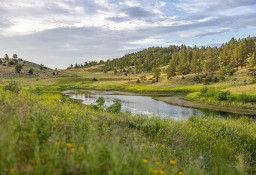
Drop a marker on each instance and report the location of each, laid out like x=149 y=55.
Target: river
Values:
x=146 y=105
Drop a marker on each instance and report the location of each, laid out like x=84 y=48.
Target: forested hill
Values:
x=143 y=61
x=182 y=60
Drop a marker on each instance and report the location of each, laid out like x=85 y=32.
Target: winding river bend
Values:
x=145 y=105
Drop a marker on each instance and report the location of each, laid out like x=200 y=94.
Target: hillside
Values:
x=8 y=67
x=8 y=70
x=209 y=64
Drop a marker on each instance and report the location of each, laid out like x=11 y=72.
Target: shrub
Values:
x=11 y=63
x=100 y=101
x=204 y=90
x=31 y=71
x=115 y=108
x=18 y=68
x=12 y=86
x=222 y=95
x=246 y=98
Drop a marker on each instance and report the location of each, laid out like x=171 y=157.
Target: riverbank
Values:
x=181 y=100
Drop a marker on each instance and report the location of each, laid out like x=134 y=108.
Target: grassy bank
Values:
x=224 y=98
x=46 y=133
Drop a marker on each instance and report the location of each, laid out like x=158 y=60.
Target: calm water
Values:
x=147 y=105
x=140 y=105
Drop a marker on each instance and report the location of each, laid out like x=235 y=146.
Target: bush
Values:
x=13 y=87
x=31 y=71
x=216 y=94
x=18 y=68
x=222 y=95
x=115 y=108
x=246 y=98
x=11 y=63
x=100 y=101
x=204 y=90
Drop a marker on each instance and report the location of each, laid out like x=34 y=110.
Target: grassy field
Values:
x=242 y=88
x=46 y=133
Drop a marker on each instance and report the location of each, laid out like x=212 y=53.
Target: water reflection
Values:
x=141 y=105
x=148 y=106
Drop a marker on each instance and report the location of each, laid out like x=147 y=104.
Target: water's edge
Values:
x=175 y=99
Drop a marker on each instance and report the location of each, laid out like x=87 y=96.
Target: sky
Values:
x=63 y=32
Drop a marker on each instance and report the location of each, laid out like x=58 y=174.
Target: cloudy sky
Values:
x=60 y=32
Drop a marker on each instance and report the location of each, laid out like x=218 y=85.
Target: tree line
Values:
x=182 y=60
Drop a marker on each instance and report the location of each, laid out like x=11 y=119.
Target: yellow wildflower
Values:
x=158 y=162
x=72 y=149
x=173 y=162
x=180 y=172
x=69 y=145
x=145 y=160
x=57 y=143
x=81 y=148
x=155 y=171
x=161 y=171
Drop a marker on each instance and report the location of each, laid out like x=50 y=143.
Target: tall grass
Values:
x=46 y=133
x=226 y=98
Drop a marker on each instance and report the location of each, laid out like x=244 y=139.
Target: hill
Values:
x=17 y=67
x=210 y=64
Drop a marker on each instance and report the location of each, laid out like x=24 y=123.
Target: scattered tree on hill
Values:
x=41 y=67
x=252 y=64
x=156 y=74
x=143 y=78
x=31 y=71
x=6 y=56
x=14 y=56
x=18 y=68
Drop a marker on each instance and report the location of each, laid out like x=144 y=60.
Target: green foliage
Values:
x=45 y=133
x=18 y=68
x=143 y=78
x=115 y=107
x=217 y=95
x=246 y=98
x=182 y=60
x=156 y=74
x=31 y=71
x=100 y=102
x=95 y=79
x=12 y=86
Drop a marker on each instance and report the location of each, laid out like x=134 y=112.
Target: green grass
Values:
x=225 y=98
x=46 y=133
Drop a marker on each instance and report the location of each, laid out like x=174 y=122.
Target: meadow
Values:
x=44 y=132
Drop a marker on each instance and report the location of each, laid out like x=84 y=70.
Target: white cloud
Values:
x=107 y=28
